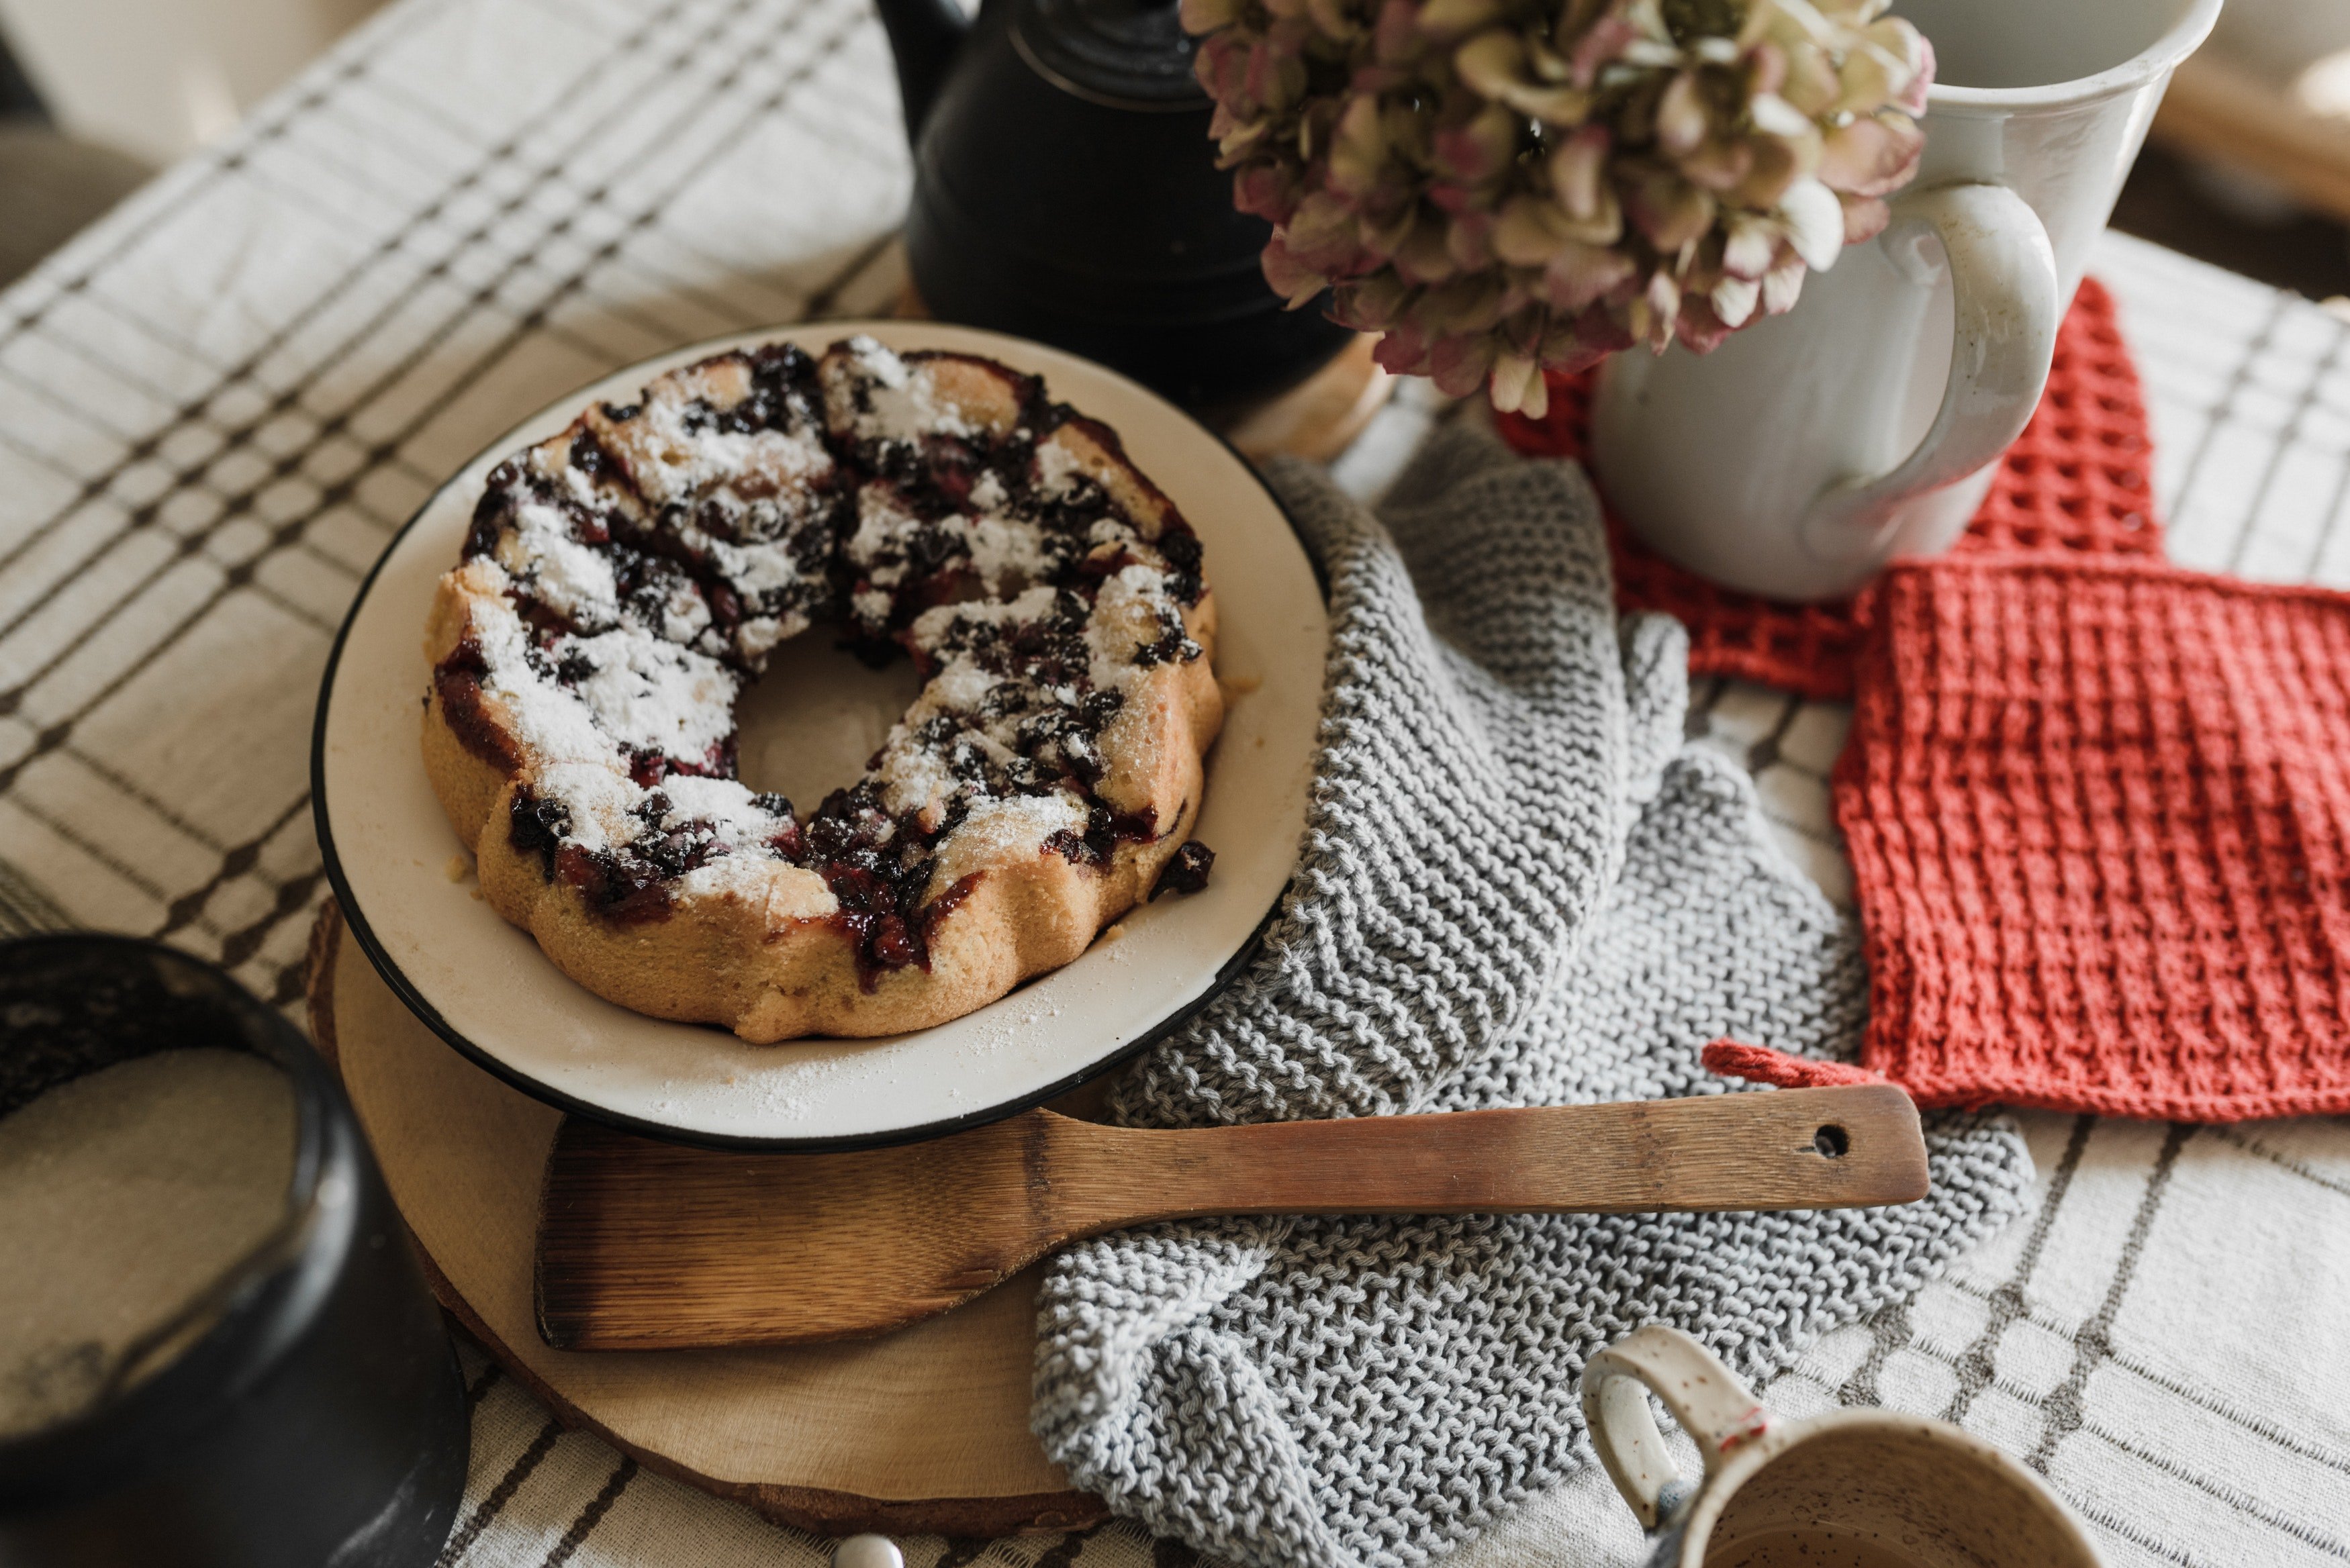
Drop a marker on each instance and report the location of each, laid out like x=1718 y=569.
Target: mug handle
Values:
x=1705 y=1397
x=2003 y=281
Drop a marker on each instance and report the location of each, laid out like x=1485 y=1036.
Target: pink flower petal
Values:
x=1749 y=247
x=1681 y=118
x=1474 y=154
x=1516 y=386
x=1395 y=37
x=1872 y=156
x=1459 y=365
x=1207 y=15
x=1814 y=222
x=1669 y=209
x=1914 y=101
x=1697 y=327
x=1865 y=218
x=1601 y=42
x=1580 y=274
x=1576 y=170
x=1403 y=351
x=1291 y=278
x=1265 y=190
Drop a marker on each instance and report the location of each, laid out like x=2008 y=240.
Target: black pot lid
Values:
x=1127 y=54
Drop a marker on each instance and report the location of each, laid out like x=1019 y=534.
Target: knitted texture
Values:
x=1517 y=887
x=2099 y=826
x=2076 y=483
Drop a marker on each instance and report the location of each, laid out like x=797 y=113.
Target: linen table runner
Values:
x=475 y=205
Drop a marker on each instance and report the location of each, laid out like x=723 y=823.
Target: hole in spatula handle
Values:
x=1831 y=1141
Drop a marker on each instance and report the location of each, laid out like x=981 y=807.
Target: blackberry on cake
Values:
x=623 y=581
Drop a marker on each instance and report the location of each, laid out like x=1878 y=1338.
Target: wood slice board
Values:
x=1316 y=419
x=1321 y=416
x=924 y=1430
x=2218 y=110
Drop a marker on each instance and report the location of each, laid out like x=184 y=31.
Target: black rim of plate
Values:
x=356 y=923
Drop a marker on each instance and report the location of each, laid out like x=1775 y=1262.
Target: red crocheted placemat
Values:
x=2099 y=824
x=2076 y=483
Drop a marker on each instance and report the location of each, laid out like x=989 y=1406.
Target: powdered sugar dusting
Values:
x=904 y=404
x=561 y=573
x=1001 y=831
x=602 y=804
x=1057 y=469
x=653 y=695
x=685 y=456
x=554 y=725
x=726 y=805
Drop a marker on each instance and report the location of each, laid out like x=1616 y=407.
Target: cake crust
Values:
x=624 y=579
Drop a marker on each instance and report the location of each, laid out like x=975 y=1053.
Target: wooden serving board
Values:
x=2228 y=113
x=924 y=1430
x=1316 y=419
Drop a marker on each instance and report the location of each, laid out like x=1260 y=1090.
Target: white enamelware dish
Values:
x=400 y=871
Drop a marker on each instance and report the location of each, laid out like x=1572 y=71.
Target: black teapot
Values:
x=1065 y=190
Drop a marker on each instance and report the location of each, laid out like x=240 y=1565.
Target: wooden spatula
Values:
x=645 y=1245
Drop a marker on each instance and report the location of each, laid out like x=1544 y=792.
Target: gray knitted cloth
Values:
x=1518 y=888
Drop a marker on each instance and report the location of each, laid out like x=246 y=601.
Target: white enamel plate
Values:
x=807 y=726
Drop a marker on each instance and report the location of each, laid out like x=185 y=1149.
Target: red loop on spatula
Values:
x=1761 y=1064
x=2077 y=482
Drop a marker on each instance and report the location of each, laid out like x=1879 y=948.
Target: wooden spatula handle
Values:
x=1836 y=1148
x=644 y=1245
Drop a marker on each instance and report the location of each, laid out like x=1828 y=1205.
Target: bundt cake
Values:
x=624 y=580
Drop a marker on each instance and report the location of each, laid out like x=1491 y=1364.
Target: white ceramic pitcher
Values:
x=1807 y=451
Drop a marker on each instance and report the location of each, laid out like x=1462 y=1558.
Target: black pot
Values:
x=1065 y=190
x=320 y=1418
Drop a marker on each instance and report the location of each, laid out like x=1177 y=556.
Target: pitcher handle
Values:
x=1705 y=1397
x=2003 y=280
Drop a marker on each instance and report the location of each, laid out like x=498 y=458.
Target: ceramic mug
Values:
x=1850 y=1489
x=1810 y=449
x=304 y=1409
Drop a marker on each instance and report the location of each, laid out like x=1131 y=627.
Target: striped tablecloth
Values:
x=218 y=405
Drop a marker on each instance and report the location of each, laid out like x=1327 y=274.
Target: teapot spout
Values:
x=924 y=37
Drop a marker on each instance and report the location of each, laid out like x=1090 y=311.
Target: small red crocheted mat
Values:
x=2076 y=483
x=2099 y=823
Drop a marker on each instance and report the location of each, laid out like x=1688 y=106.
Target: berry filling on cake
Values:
x=623 y=581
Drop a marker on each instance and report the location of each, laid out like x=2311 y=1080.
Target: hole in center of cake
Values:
x=808 y=725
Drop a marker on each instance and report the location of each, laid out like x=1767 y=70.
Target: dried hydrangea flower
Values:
x=1505 y=187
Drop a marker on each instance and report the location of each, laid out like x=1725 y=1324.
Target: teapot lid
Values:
x=1123 y=53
